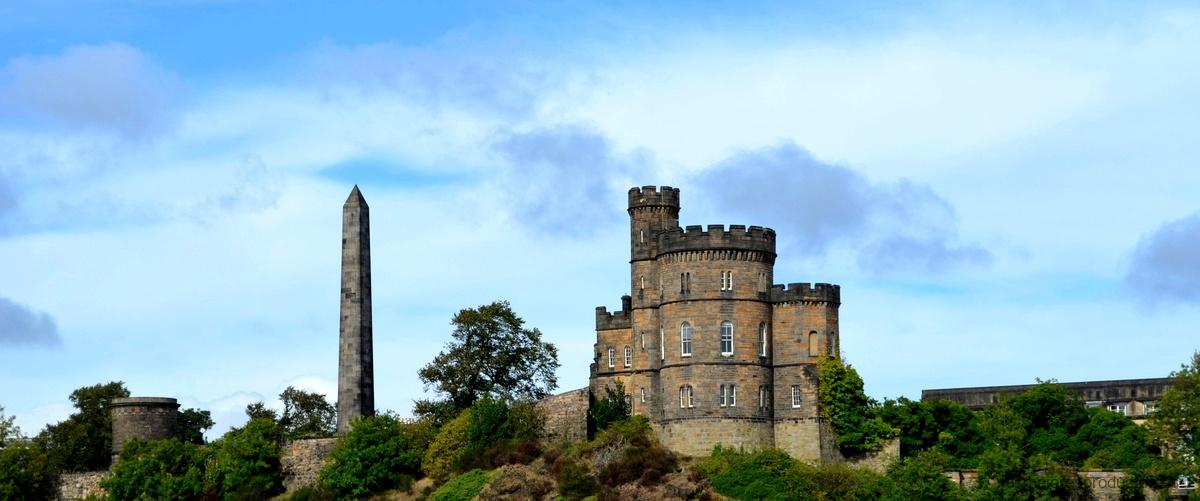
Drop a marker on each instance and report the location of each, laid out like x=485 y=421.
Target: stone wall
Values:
x=73 y=486
x=696 y=437
x=565 y=415
x=1102 y=485
x=877 y=461
x=302 y=461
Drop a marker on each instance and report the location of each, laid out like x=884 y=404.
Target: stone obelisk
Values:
x=356 y=374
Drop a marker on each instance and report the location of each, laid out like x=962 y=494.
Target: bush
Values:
x=766 y=475
x=849 y=410
x=245 y=462
x=445 y=453
x=612 y=408
x=489 y=424
x=524 y=421
x=157 y=469
x=575 y=482
x=647 y=464
x=461 y=488
x=26 y=472
x=920 y=477
x=315 y=492
x=378 y=453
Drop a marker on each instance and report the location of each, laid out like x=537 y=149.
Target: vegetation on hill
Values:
x=850 y=412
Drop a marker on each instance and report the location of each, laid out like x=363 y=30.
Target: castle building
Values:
x=707 y=347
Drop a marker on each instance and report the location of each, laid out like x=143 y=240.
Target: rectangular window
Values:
x=796 y=397
x=643 y=285
x=721 y=397
x=628 y=357
x=762 y=397
x=612 y=358
x=762 y=340
x=685 y=340
x=690 y=400
x=726 y=280
x=1117 y=408
x=643 y=340
x=733 y=395
x=726 y=338
x=643 y=395
x=662 y=345
x=682 y=398
x=1150 y=407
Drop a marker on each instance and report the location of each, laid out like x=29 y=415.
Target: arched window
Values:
x=612 y=358
x=685 y=397
x=726 y=338
x=628 y=357
x=685 y=339
x=813 y=349
x=762 y=339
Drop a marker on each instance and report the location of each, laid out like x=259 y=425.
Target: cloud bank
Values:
x=112 y=87
x=21 y=326
x=817 y=205
x=1165 y=265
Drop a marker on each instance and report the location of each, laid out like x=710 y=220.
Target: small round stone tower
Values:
x=143 y=418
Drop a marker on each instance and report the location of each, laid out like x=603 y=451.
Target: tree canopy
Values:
x=83 y=442
x=491 y=353
x=1176 y=421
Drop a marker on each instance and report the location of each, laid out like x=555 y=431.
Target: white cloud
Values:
x=112 y=87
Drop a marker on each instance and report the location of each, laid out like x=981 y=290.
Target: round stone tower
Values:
x=715 y=312
x=806 y=329
x=143 y=418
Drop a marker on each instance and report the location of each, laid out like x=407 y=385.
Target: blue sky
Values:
x=1003 y=192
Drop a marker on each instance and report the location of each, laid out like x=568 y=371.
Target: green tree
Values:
x=943 y=425
x=244 y=463
x=849 y=410
x=491 y=353
x=920 y=477
x=257 y=410
x=157 y=469
x=614 y=407
x=8 y=429
x=190 y=425
x=306 y=414
x=26 y=472
x=1176 y=421
x=379 y=453
x=83 y=442
x=446 y=451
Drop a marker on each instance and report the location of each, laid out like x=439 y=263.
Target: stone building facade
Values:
x=1134 y=398
x=707 y=346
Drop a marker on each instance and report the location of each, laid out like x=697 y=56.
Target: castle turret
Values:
x=804 y=325
x=356 y=374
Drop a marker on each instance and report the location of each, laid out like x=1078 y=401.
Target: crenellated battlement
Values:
x=828 y=293
x=618 y=319
x=716 y=237
x=650 y=196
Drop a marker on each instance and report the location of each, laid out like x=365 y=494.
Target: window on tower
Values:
x=726 y=280
x=762 y=339
x=797 y=398
x=628 y=357
x=685 y=339
x=612 y=358
x=726 y=338
x=813 y=349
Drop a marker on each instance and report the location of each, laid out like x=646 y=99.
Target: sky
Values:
x=1005 y=192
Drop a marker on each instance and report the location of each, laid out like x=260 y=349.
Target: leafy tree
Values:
x=8 y=429
x=849 y=410
x=489 y=424
x=190 y=425
x=83 y=442
x=1176 y=421
x=920 y=477
x=257 y=410
x=491 y=353
x=244 y=463
x=26 y=472
x=157 y=469
x=944 y=425
x=614 y=407
x=380 y=452
x=306 y=414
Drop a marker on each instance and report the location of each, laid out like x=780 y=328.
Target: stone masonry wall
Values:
x=302 y=461
x=565 y=415
x=74 y=486
x=696 y=437
x=1102 y=485
x=143 y=418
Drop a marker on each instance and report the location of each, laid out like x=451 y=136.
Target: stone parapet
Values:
x=76 y=486
x=565 y=415
x=302 y=460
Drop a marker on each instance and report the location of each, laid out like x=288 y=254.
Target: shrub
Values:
x=157 y=469
x=524 y=421
x=766 y=475
x=849 y=410
x=378 y=453
x=25 y=472
x=488 y=424
x=646 y=463
x=245 y=462
x=612 y=408
x=315 y=492
x=461 y=488
x=575 y=482
x=445 y=453
x=920 y=477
